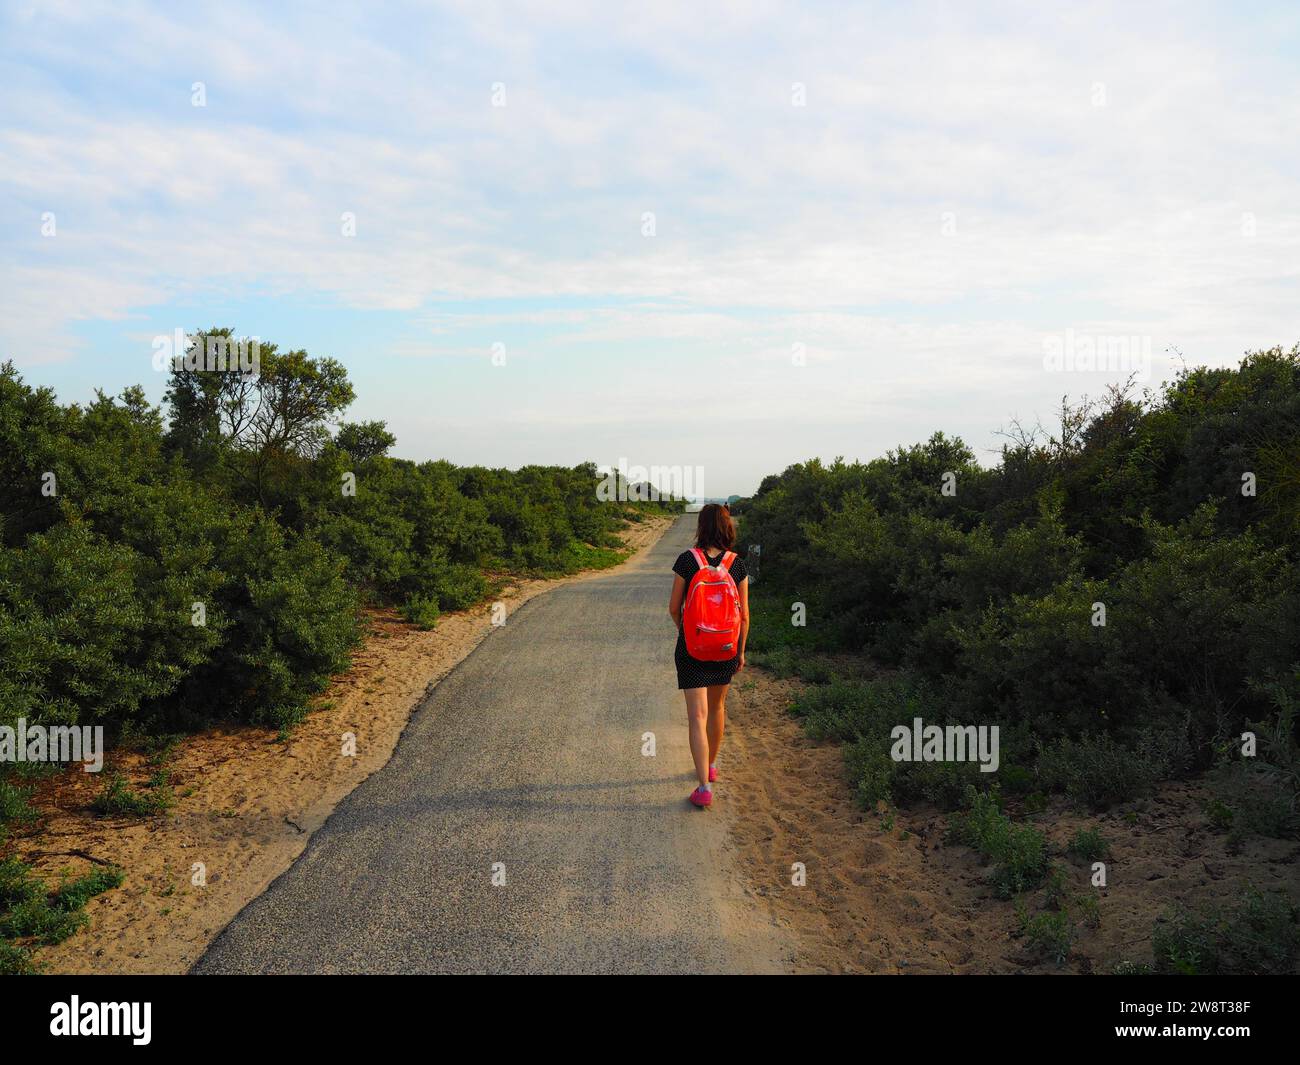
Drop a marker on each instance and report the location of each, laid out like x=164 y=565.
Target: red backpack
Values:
x=711 y=617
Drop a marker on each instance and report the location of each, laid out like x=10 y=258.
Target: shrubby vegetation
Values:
x=250 y=496
x=164 y=567
x=980 y=605
x=1258 y=935
x=1019 y=852
x=32 y=911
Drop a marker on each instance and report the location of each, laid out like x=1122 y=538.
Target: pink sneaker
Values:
x=702 y=798
x=713 y=773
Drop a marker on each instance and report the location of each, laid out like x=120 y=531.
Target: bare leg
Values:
x=717 y=718
x=697 y=714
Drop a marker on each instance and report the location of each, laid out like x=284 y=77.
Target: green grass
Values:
x=13 y=803
x=791 y=662
x=770 y=623
x=74 y=894
x=1089 y=845
x=1049 y=934
x=1019 y=852
x=30 y=910
x=1257 y=935
x=1249 y=801
x=586 y=556
x=1052 y=932
x=160 y=749
x=15 y=960
x=118 y=797
x=846 y=712
x=862 y=714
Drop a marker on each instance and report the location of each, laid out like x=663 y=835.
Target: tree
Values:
x=365 y=440
x=256 y=423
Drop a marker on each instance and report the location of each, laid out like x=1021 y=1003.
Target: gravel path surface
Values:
x=526 y=764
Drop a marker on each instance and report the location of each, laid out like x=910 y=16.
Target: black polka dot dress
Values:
x=691 y=672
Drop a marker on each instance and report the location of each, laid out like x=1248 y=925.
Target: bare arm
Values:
x=675 y=600
x=743 y=588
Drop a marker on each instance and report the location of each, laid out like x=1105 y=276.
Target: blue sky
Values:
x=953 y=185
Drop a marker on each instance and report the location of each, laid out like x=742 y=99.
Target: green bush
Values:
x=1096 y=771
x=458 y=586
x=421 y=611
x=211 y=564
x=15 y=960
x=987 y=595
x=1248 y=802
x=870 y=771
x=89 y=631
x=863 y=715
x=1019 y=852
x=1016 y=779
x=1089 y=845
x=293 y=622
x=771 y=631
x=1259 y=935
x=1050 y=933
x=1261 y=795
x=849 y=710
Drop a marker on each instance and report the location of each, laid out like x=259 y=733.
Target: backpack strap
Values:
x=701 y=560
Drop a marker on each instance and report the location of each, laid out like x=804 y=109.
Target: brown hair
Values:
x=715 y=527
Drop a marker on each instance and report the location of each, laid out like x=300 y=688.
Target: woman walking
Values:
x=710 y=607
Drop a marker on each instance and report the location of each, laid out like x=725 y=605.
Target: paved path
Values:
x=528 y=754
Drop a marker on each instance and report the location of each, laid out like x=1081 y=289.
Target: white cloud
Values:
x=776 y=224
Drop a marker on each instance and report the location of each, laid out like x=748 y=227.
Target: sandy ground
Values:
x=246 y=803
x=885 y=895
